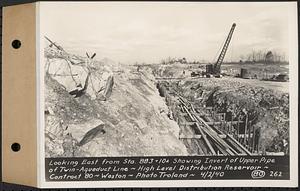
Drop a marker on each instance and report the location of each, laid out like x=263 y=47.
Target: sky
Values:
x=149 y=31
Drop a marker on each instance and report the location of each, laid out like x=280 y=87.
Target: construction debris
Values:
x=77 y=74
x=107 y=89
x=91 y=134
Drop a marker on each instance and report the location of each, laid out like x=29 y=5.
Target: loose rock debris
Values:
x=118 y=113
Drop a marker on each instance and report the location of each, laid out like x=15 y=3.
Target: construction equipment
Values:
x=215 y=69
x=54 y=44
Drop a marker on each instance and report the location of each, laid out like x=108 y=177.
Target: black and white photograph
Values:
x=166 y=79
x=142 y=94
x=189 y=91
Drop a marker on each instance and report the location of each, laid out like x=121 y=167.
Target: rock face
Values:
x=132 y=121
x=76 y=77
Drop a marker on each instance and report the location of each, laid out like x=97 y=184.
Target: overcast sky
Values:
x=149 y=31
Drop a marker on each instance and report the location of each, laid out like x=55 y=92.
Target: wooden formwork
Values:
x=206 y=132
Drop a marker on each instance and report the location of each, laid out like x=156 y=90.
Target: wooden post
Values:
x=246 y=126
x=166 y=98
x=238 y=129
x=249 y=136
x=253 y=140
x=258 y=138
x=231 y=122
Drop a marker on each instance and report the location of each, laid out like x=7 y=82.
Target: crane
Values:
x=215 y=69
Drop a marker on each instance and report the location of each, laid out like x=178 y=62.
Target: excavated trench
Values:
x=256 y=118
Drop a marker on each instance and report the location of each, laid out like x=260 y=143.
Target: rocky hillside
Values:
x=131 y=121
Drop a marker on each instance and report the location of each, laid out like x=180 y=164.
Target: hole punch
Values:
x=15 y=147
x=16 y=44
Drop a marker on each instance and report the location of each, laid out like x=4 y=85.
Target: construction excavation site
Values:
x=175 y=108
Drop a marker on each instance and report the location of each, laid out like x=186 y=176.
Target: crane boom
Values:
x=53 y=43
x=215 y=69
x=217 y=66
